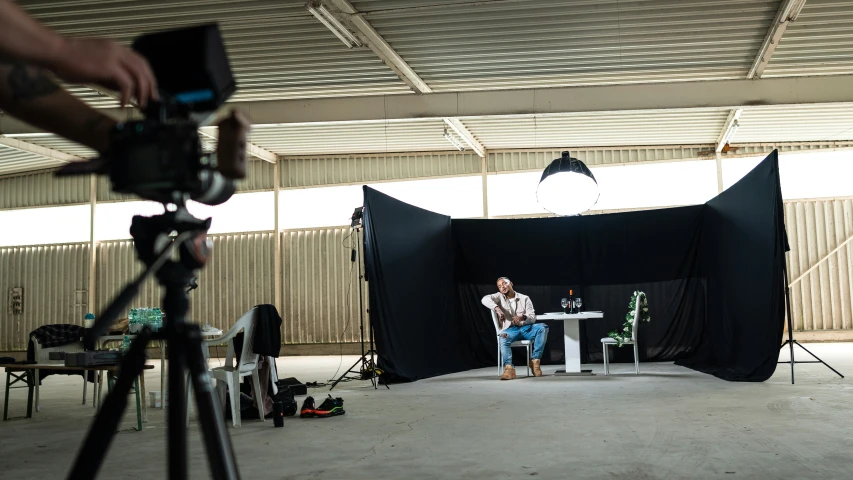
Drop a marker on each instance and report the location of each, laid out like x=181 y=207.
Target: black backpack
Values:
x=288 y=401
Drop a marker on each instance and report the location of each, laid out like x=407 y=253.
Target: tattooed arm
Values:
x=29 y=94
x=76 y=60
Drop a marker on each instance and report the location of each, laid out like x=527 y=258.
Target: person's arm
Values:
x=23 y=38
x=29 y=94
x=529 y=312
x=76 y=60
x=489 y=302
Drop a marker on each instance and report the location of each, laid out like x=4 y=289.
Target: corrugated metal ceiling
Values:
x=57 y=143
x=353 y=137
x=796 y=123
x=276 y=48
x=514 y=44
x=819 y=42
x=14 y=161
x=598 y=129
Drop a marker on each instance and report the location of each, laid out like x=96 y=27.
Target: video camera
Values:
x=161 y=157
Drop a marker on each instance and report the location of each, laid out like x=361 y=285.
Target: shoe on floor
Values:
x=509 y=373
x=307 y=408
x=330 y=407
x=535 y=366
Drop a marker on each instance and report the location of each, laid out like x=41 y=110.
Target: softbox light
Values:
x=567 y=187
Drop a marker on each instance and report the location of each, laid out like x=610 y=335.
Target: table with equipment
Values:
x=209 y=334
x=28 y=374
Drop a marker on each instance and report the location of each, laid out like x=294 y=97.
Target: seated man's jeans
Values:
x=535 y=332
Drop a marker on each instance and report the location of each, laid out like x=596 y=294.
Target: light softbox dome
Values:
x=567 y=187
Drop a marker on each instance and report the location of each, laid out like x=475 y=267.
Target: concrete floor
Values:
x=667 y=423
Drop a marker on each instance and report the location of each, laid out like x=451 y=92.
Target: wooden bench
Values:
x=27 y=373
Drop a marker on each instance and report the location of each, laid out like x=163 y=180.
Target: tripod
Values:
x=367 y=365
x=185 y=351
x=790 y=341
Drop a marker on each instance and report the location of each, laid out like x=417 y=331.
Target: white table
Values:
x=112 y=338
x=571 y=338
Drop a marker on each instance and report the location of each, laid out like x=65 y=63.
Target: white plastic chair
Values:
x=230 y=374
x=518 y=343
x=607 y=341
x=42 y=355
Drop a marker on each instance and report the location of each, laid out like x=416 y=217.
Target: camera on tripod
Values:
x=162 y=157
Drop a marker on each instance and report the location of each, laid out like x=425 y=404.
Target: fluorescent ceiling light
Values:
x=333 y=24
x=453 y=140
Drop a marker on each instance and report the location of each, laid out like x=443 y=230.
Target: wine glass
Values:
x=565 y=303
x=578 y=303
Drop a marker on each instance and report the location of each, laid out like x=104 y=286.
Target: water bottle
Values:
x=89 y=320
x=133 y=320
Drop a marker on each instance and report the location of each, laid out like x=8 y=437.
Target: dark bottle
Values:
x=571 y=301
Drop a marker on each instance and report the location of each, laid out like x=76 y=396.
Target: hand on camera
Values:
x=108 y=64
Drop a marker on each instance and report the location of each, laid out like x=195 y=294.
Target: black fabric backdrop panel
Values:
x=712 y=274
x=744 y=244
x=413 y=308
x=619 y=248
x=603 y=259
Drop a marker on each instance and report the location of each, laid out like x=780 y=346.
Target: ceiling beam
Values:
x=466 y=135
x=727 y=94
x=38 y=150
x=370 y=37
x=251 y=148
x=718 y=94
x=789 y=10
x=729 y=129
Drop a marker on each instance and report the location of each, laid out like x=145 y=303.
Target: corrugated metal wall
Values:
x=238 y=276
x=319 y=282
x=520 y=160
x=55 y=279
x=43 y=188
x=822 y=299
x=315 y=171
x=319 y=287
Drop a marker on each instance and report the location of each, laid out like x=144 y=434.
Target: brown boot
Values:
x=509 y=373
x=534 y=365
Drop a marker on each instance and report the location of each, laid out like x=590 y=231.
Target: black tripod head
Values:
x=152 y=234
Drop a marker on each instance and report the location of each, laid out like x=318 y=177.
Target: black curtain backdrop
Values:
x=744 y=244
x=412 y=293
x=712 y=273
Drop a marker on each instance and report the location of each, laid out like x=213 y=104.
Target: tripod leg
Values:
x=816 y=357
x=177 y=412
x=217 y=442
x=360 y=360
x=101 y=433
x=791 y=343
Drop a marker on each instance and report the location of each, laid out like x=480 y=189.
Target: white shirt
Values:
x=520 y=304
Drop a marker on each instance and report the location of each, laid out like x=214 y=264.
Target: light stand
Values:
x=790 y=341
x=367 y=365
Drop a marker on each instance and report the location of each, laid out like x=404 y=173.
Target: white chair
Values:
x=230 y=374
x=528 y=344
x=42 y=355
x=607 y=341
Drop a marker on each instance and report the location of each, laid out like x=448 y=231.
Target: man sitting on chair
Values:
x=517 y=321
